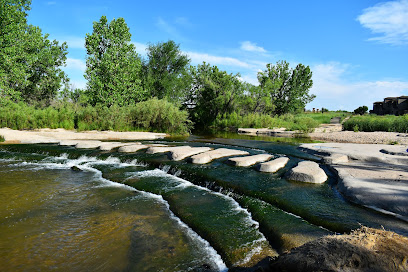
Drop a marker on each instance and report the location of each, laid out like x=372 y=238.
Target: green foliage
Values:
x=113 y=66
x=255 y=100
x=370 y=123
x=29 y=62
x=152 y=115
x=214 y=93
x=166 y=72
x=161 y=116
x=361 y=110
x=288 y=89
x=324 y=118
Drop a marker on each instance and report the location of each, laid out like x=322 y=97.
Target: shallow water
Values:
x=141 y=212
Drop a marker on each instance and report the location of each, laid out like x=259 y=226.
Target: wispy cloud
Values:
x=252 y=47
x=168 y=28
x=141 y=48
x=73 y=41
x=389 y=20
x=184 y=22
x=76 y=64
x=197 y=58
x=334 y=91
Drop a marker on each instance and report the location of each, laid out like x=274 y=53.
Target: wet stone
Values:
x=307 y=171
x=249 y=160
x=274 y=165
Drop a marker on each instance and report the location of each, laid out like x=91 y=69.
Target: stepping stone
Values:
x=69 y=142
x=307 y=171
x=132 y=148
x=107 y=146
x=273 y=165
x=208 y=156
x=249 y=160
x=162 y=149
x=182 y=153
x=336 y=158
x=88 y=144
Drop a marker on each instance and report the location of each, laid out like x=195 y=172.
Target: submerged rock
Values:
x=76 y=169
x=208 y=156
x=307 y=171
x=249 y=160
x=274 y=165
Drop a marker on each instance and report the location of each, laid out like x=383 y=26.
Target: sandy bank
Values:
x=57 y=135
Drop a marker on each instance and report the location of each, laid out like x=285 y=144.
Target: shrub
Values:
x=370 y=123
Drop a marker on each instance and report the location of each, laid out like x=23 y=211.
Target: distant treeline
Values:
x=120 y=82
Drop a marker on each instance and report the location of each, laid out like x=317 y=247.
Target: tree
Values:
x=288 y=89
x=166 y=72
x=214 y=93
x=113 y=68
x=255 y=100
x=29 y=62
x=361 y=110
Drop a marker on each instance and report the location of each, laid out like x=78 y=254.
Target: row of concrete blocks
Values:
x=305 y=171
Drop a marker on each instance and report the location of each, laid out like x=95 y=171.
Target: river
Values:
x=143 y=212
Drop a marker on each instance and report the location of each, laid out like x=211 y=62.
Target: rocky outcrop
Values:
x=336 y=158
x=182 y=153
x=208 y=156
x=249 y=160
x=307 y=171
x=365 y=249
x=274 y=165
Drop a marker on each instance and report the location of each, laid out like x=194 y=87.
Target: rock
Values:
x=107 y=146
x=336 y=158
x=208 y=156
x=88 y=144
x=182 y=153
x=365 y=249
x=274 y=165
x=249 y=160
x=132 y=148
x=161 y=149
x=307 y=171
x=76 y=169
x=69 y=142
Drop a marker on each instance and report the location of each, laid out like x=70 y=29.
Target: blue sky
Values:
x=357 y=49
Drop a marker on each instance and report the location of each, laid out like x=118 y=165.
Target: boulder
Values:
x=182 y=153
x=161 y=149
x=132 y=148
x=107 y=146
x=336 y=158
x=88 y=144
x=208 y=156
x=249 y=160
x=274 y=165
x=68 y=142
x=307 y=171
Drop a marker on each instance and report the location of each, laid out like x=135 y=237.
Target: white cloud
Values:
x=141 y=48
x=389 y=19
x=334 y=92
x=216 y=60
x=73 y=42
x=76 y=64
x=252 y=47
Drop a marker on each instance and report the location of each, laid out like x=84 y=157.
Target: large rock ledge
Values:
x=364 y=250
x=372 y=175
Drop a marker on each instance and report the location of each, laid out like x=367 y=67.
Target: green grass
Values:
x=152 y=115
x=324 y=118
x=370 y=123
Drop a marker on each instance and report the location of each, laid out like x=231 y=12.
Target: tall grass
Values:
x=152 y=115
x=324 y=118
x=370 y=123
x=255 y=120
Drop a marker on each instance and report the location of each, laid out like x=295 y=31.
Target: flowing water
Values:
x=143 y=212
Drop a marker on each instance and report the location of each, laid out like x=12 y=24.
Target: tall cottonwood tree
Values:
x=287 y=88
x=30 y=64
x=214 y=93
x=166 y=72
x=113 y=68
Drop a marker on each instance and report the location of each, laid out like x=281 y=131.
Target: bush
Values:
x=370 y=123
x=361 y=110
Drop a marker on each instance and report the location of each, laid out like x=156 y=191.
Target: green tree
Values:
x=214 y=93
x=288 y=89
x=113 y=68
x=166 y=72
x=29 y=62
x=255 y=100
x=361 y=110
